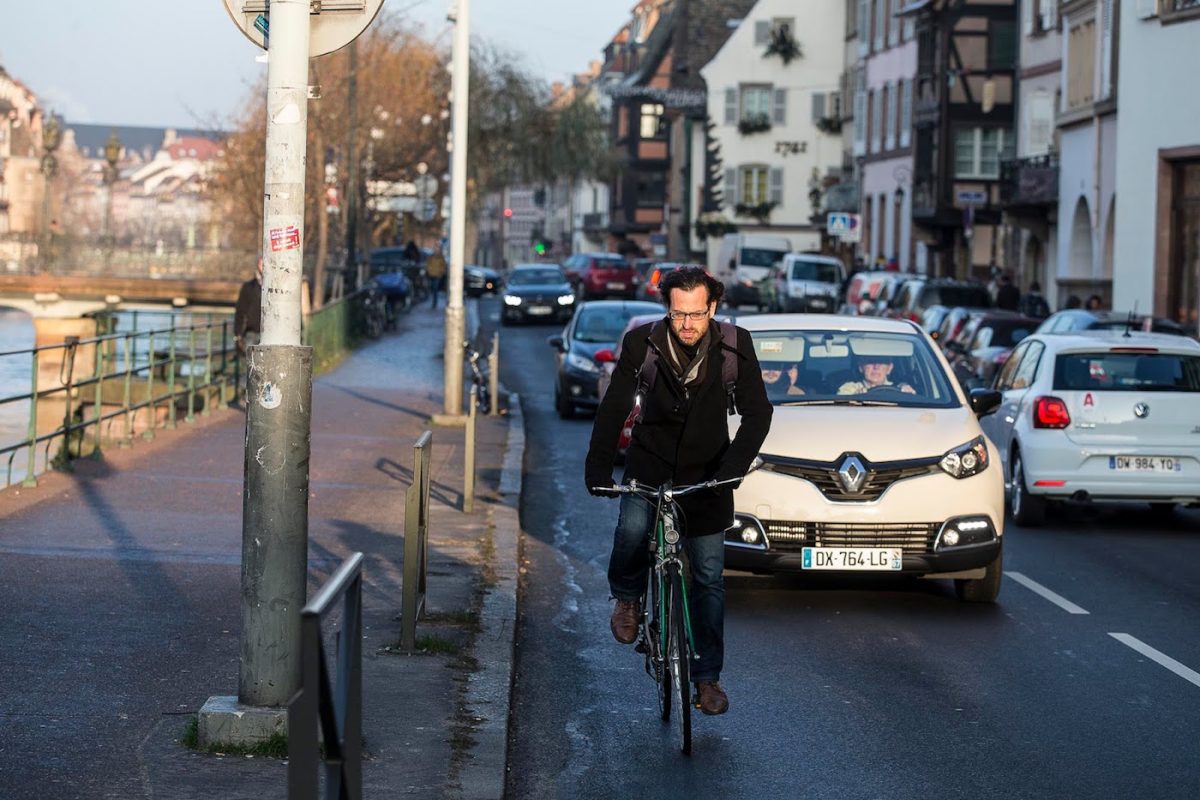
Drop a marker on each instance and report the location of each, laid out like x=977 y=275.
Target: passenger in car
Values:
x=773 y=374
x=876 y=372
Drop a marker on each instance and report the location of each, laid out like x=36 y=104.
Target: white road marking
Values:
x=1162 y=659
x=1053 y=597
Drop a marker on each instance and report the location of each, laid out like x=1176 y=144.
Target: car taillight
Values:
x=1050 y=412
x=656 y=277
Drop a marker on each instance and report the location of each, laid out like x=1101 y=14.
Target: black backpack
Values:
x=648 y=372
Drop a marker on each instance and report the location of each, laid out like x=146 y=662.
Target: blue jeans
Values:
x=629 y=565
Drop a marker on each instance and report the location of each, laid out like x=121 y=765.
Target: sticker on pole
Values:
x=285 y=239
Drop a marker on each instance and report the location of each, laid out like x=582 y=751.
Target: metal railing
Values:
x=329 y=712
x=153 y=369
x=416 y=543
x=335 y=329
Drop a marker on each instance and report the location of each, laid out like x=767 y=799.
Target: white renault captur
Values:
x=875 y=460
x=1099 y=415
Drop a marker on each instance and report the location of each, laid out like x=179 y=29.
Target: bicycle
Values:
x=665 y=635
x=480 y=394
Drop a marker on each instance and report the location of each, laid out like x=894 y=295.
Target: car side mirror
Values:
x=557 y=343
x=605 y=356
x=984 y=401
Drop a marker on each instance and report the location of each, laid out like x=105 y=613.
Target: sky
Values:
x=183 y=63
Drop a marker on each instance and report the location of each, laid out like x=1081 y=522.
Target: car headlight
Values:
x=511 y=300
x=566 y=299
x=966 y=460
x=582 y=363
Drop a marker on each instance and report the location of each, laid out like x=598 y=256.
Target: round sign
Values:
x=426 y=186
x=333 y=23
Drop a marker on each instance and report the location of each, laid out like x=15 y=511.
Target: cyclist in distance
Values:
x=682 y=437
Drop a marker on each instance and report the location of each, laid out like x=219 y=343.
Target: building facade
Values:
x=776 y=119
x=1156 y=260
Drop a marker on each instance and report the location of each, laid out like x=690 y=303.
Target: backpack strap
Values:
x=729 y=364
x=647 y=373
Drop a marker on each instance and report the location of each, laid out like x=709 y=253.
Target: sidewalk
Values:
x=119 y=591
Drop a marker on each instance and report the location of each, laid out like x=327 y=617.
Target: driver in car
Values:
x=876 y=371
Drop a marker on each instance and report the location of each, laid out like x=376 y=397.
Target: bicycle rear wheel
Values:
x=678 y=666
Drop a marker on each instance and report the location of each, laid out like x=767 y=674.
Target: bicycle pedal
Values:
x=640 y=647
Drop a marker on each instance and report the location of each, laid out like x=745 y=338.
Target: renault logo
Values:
x=852 y=474
x=1141 y=410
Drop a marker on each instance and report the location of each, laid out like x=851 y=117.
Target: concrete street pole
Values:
x=278 y=420
x=460 y=87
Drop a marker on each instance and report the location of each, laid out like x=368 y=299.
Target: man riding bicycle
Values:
x=682 y=437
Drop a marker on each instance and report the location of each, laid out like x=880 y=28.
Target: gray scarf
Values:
x=689 y=373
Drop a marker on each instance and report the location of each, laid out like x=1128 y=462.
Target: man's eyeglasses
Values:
x=680 y=316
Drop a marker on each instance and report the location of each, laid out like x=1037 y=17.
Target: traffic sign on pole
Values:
x=847 y=227
x=332 y=26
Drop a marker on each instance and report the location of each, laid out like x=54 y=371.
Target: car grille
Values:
x=913 y=537
x=879 y=476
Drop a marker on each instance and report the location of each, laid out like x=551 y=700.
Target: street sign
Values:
x=847 y=227
x=333 y=25
x=972 y=197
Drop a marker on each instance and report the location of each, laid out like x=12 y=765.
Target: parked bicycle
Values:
x=480 y=393
x=665 y=635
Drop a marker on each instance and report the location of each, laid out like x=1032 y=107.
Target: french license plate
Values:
x=853 y=558
x=616 y=285
x=1144 y=464
x=819 y=302
x=539 y=310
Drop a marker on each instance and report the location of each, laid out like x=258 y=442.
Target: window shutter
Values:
x=893 y=24
x=775 y=186
x=818 y=106
x=731 y=99
x=730 y=191
x=1027 y=15
x=779 y=109
x=1106 y=49
x=906 y=112
x=762 y=32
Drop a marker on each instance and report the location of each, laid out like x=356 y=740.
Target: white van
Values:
x=743 y=260
x=808 y=282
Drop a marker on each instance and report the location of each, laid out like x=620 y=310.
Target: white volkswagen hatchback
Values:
x=875 y=460
x=1099 y=415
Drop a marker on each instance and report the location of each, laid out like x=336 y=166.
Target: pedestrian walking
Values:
x=1008 y=296
x=1094 y=303
x=247 y=314
x=1033 y=304
x=435 y=269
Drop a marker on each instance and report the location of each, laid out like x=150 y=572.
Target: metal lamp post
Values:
x=455 y=317
x=112 y=154
x=51 y=138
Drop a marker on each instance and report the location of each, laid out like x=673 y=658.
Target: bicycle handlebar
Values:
x=633 y=487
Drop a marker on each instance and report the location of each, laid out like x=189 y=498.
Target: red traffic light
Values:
x=508 y=212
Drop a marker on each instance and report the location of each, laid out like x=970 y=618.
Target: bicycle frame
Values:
x=664 y=554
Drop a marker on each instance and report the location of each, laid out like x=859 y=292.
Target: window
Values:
x=1039 y=123
x=651 y=188
x=906 y=95
x=893 y=24
x=889 y=114
x=731 y=106
x=756 y=102
x=875 y=106
x=762 y=32
x=653 y=126
x=779 y=107
x=880 y=23
x=864 y=26
x=752 y=185
x=860 y=112
x=979 y=151
x=1081 y=65
x=1002 y=45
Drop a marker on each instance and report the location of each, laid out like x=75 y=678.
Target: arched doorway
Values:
x=1033 y=262
x=1080 y=265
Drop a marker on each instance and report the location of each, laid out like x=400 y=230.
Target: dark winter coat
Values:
x=684 y=432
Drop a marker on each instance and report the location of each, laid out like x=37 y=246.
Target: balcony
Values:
x=1026 y=182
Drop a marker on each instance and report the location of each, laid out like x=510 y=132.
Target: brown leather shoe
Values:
x=711 y=698
x=624 y=622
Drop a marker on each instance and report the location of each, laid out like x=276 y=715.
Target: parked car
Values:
x=1099 y=415
x=868 y=293
x=1078 y=319
x=598 y=275
x=596 y=326
x=805 y=282
x=920 y=294
x=537 y=292
x=478 y=281
x=931 y=320
x=744 y=260
x=892 y=478
x=985 y=343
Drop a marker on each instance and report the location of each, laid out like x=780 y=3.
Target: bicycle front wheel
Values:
x=678 y=665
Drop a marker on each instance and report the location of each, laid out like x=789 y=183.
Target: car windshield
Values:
x=854 y=368
x=755 y=257
x=816 y=271
x=1127 y=372
x=1003 y=334
x=966 y=296
x=606 y=323
x=535 y=277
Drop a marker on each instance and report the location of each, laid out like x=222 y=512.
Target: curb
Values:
x=489 y=690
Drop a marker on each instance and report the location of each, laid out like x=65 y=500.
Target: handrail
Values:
x=119 y=356
x=319 y=712
x=416 y=542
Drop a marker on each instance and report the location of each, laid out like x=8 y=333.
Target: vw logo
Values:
x=1141 y=410
x=852 y=474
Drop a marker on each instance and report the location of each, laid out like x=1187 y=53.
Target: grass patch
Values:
x=436 y=645
x=466 y=617
x=275 y=747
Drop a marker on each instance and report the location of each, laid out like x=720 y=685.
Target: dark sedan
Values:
x=537 y=293
x=597 y=326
